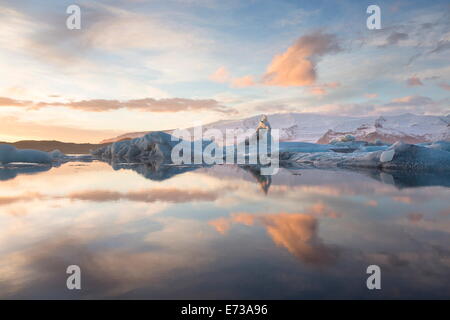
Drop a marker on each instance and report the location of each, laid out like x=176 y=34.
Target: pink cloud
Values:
x=414 y=82
x=321 y=89
x=221 y=75
x=245 y=81
x=371 y=95
x=444 y=86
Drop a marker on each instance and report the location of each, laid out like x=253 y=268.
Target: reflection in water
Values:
x=407 y=179
x=296 y=232
x=156 y=172
x=146 y=195
x=8 y=172
x=264 y=181
x=219 y=232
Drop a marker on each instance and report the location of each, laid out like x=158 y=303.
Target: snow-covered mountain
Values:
x=310 y=127
x=408 y=128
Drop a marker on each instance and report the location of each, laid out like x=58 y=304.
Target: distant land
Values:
x=50 y=145
x=304 y=127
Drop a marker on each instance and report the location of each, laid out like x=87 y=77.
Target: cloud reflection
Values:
x=297 y=232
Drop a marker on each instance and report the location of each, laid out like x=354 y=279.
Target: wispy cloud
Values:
x=414 y=82
x=322 y=89
x=146 y=105
x=444 y=86
x=395 y=37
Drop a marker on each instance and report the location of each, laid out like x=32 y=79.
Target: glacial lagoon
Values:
x=221 y=232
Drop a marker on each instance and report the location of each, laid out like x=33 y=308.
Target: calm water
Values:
x=221 y=232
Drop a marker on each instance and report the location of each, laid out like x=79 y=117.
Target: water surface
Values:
x=221 y=232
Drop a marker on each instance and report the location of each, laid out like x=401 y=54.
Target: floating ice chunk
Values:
x=400 y=156
x=387 y=155
x=151 y=147
x=56 y=154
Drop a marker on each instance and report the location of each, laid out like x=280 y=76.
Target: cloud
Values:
x=371 y=95
x=8 y=102
x=395 y=37
x=221 y=75
x=415 y=104
x=321 y=89
x=414 y=81
x=297 y=65
x=295 y=17
x=441 y=46
x=245 y=81
x=297 y=232
x=146 y=105
x=444 y=86
x=411 y=100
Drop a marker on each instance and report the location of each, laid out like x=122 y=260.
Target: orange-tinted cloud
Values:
x=146 y=104
x=245 y=81
x=297 y=232
x=413 y=100
x=371 y=95
x=297 y=65
x=321 y=89
x=8 y=102
x=221 y=75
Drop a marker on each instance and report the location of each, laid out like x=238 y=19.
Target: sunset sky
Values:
x=139 y=65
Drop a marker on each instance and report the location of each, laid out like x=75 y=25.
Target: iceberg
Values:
x=155 y=148
x=10 y=154
x=440 y=145
x=399 y=156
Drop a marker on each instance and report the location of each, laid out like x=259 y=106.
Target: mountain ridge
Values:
x=317 y=128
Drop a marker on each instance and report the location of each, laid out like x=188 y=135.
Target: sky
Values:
x=139 y=65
